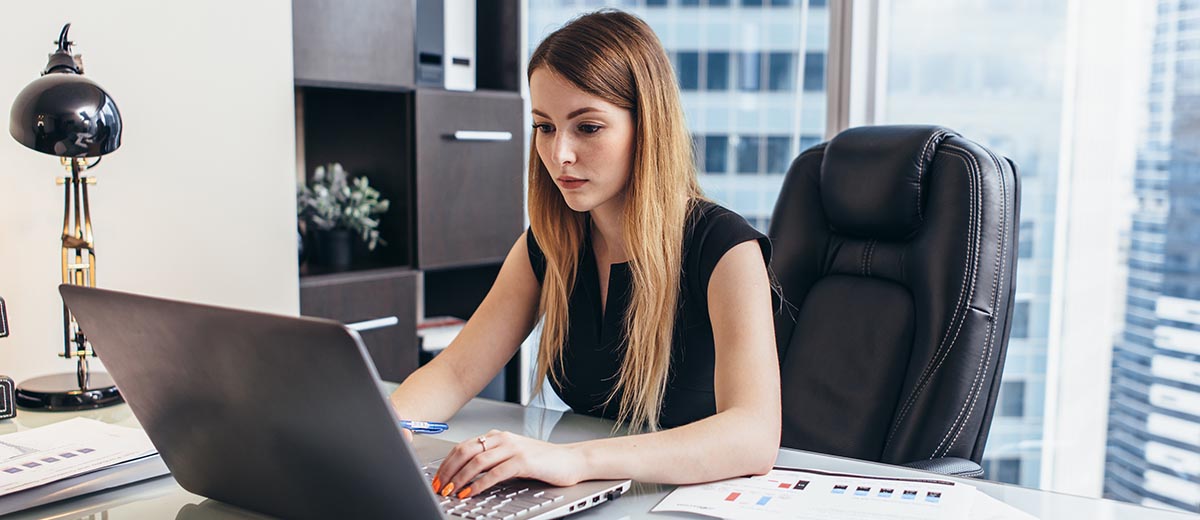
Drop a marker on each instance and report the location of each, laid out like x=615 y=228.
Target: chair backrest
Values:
x=895 y=248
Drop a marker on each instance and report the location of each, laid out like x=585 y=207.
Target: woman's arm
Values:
x=437 y=390
x=741 y=439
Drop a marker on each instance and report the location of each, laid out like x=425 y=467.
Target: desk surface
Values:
x=163 y=498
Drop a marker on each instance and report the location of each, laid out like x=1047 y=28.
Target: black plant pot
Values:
x=333 y=249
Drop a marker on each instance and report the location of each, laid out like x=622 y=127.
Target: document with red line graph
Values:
x=797 y=494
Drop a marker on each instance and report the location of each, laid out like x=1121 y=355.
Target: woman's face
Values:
x=585 y=142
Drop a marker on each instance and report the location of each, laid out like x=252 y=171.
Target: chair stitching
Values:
x=862 y=260
x=973 y=395
x=871 y=256
x=1005 y=232
x=967 y=289
x=965 y=293
x=921 y=168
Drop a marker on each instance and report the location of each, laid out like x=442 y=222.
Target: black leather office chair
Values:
x=895 y=248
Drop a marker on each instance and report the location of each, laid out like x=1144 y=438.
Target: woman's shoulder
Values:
x=709 y=220
x=712 y=231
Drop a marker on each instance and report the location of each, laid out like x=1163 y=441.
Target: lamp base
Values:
x=61 y=393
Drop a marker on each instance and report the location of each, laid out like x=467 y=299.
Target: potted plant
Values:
x=335 y=210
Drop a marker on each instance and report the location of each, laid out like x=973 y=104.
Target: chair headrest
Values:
x=872 y=176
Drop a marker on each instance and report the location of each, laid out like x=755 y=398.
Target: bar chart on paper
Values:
x=810 y=494
x=69 y=448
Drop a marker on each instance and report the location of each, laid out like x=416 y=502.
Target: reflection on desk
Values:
x=163 y=498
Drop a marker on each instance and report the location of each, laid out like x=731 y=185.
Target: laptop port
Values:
x=581 y=505
x=595 y=499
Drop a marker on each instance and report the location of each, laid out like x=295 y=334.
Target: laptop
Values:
x=284 y=415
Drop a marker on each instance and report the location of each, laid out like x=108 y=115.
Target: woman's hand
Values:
x=503 y=455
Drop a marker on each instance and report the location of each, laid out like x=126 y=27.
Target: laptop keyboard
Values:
x=505 y=501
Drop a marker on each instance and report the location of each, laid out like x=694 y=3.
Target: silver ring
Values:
x=482 y=442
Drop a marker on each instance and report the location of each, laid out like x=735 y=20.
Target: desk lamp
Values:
x=70 y=117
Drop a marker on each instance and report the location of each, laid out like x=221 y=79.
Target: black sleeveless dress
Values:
x=592 y=355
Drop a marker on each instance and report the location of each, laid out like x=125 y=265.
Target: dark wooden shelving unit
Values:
x=455 y=205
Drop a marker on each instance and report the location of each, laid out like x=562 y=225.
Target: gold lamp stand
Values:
x=86 y=389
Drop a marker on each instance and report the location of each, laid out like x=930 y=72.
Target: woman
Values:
x=656 y=303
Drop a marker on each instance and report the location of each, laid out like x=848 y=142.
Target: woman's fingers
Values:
x=444 y=482
x=451 y=465
x=465 y=480
x=507 y=469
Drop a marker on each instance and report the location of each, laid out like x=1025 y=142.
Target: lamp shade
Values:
x=66 y=115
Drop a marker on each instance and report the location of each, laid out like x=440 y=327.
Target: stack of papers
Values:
x=810 y=494
x=39 y=456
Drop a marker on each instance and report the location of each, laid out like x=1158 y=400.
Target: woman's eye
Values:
x=543 y=128
x=589 y=129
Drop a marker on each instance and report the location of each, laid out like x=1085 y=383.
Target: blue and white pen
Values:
x=424 y=426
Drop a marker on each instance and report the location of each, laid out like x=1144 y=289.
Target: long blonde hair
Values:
x=615 y=56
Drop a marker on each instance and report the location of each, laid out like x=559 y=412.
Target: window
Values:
x=781 y=71
x=717 y=76
x=747 y=154
x=1020 y=320
x=687 y=68
x=814 y=71
x=716 y=153
x=779 y=153
x=1012 y=399
x=749 y=71
x=1025 y=244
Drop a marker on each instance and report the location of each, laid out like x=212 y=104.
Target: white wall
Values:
x=199 y=201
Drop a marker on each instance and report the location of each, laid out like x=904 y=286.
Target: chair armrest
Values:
x=952 y=466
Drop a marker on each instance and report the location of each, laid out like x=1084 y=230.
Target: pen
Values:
x=424 y=426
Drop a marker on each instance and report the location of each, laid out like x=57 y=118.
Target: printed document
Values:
x=37 y=456
x=802 y=494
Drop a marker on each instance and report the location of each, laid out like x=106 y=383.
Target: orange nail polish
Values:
x=466 y=492
x=437 y=484
x=448 y=489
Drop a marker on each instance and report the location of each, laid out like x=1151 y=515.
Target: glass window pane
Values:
x=814 y=71
x=1020 y=321
x=1025 y=246
x=717 y=72
x=1012 y=399
x=688 y=63
x=716 y=153
x=779 y=153
x=748 y=149
x=749 y=71
x=781 y=71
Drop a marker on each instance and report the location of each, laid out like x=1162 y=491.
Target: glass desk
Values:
x=163 y=498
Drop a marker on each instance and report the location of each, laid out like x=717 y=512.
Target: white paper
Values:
x=65 y=449
x=811 y=495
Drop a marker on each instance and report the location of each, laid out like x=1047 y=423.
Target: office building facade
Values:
x=1153 y=451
